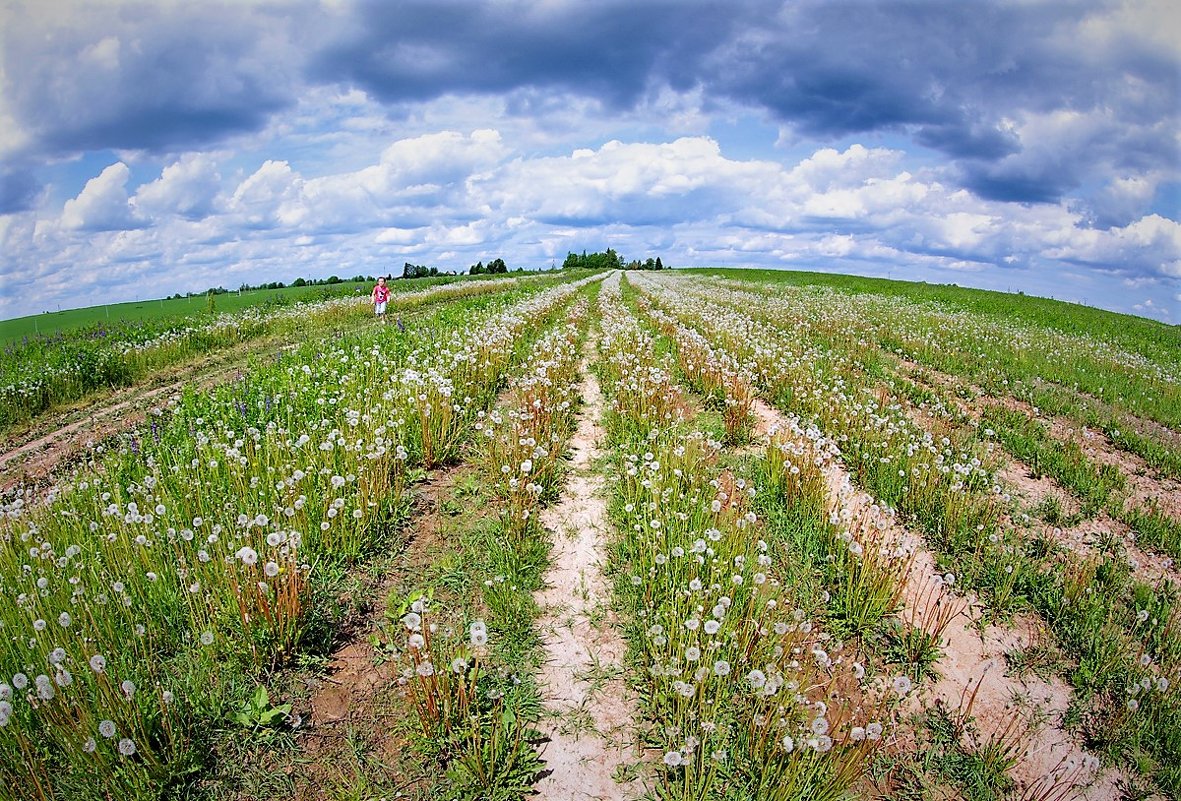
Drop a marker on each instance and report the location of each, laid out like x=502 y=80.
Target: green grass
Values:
x=174 y=309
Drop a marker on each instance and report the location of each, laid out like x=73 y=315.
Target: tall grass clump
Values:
x=146 y=597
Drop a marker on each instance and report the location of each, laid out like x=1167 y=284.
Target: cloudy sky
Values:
x=154 y=147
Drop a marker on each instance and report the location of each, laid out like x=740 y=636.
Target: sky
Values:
x=155 y=147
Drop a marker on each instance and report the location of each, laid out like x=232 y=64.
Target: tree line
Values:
x=610 y=260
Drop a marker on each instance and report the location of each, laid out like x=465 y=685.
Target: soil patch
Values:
x=589 y=711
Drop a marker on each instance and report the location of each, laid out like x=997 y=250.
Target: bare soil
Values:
x=589 y=717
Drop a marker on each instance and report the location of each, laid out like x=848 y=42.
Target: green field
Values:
x=174 y=309
x=772 y=536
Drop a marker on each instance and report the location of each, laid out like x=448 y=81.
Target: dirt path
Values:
x=973 y=657
x=357 y=695
x=38 y=453
x=588 y=716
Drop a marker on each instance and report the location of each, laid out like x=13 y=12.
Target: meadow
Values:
x=707 y=535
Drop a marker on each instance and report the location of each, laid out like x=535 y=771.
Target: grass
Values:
x=216 y=559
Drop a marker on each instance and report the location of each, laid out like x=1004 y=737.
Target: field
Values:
x=714 y=535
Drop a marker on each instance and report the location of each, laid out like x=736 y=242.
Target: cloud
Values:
x=188 y=188
x=1149 y=246
x=611 y=50
x=19 y=189
x=170 y=75
x=102 y=205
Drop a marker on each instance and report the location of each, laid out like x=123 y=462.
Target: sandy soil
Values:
x=589 y=711
x=973 y=664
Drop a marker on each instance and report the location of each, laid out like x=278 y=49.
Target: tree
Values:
x=477 y=269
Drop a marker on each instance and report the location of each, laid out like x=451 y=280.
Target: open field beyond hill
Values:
x=711 y=535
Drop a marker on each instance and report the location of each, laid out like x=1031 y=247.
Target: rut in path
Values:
x=1051 y=763
x=589 y=711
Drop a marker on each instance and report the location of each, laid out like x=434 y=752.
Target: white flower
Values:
x=901 y=685
x=789 y=744
x=721 y=667
x=673 y=759
x=478 y=633
x=126 y=747
x=107 y=728
x=756 y=678
x=692 y=653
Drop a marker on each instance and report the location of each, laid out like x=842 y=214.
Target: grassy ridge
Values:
x=1153 y=339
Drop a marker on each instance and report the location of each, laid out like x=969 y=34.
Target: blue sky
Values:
x=153 y=147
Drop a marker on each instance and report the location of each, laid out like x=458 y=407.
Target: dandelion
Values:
x=458 y=665
x=873 y=731
x=901 y=685
x=757 y=679
x=248 y=555
x=20 y=681
x=126 y=747
x=128 y=688
x=711 y=627
x=1133 y=704
x=424 y=668
x=416 y=641
x=692 y=653
x=64 y=620
x=478 y=633
x=107 y=728
x=207 y=638
x=90 y=745
x=789 y=744
x=721 y=668
x=45 y=690
x=271 y=569
x=673 y=759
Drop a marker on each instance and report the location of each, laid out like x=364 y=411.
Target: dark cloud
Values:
x=19 y=189
x=148 y=76
x=420 y=49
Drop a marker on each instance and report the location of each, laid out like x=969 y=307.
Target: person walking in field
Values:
x=381 y=296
